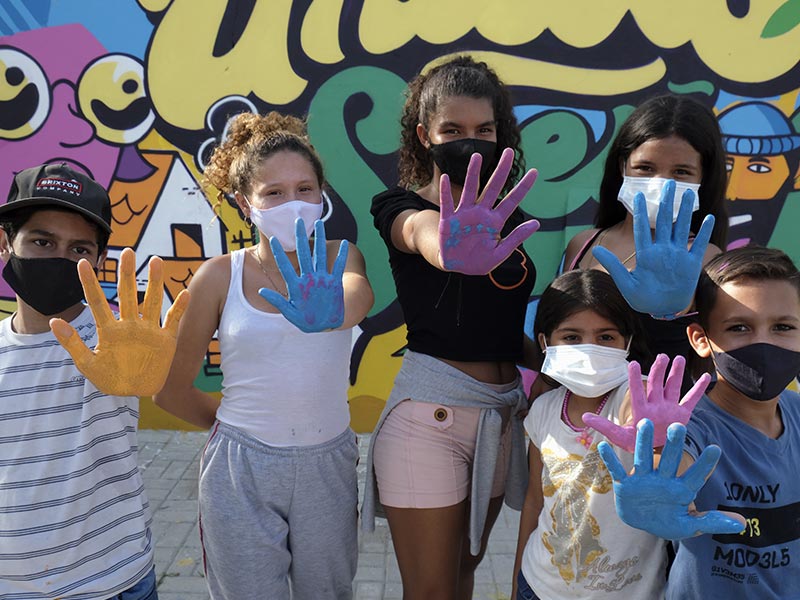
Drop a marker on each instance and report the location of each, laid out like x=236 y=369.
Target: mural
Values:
x=138 y=93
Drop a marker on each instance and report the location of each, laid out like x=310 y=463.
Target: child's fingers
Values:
x=696 y=475
x=655 y=379
x=175 y=312
x=611 y=461
x=72 y=342
x=602 y=425
x=673 y=451
x=154 y=294
x=665 y=211
x=274 y=298
x=719 y=522
x=126 y=286
x=702 y=238
x=94 y=294
x=472 y=181
x=693 y=396
x=636 y=388
x=302 y=248
x=320 y=248
x=643 y=454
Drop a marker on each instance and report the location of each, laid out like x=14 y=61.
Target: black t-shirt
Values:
x=451 y=315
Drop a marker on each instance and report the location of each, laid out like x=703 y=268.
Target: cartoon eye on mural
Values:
x=763 y=165
x=25 y=95
x=112 y=96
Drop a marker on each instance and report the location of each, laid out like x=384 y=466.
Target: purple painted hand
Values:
x=316 y=297
x=469 y=236
x=660 y=405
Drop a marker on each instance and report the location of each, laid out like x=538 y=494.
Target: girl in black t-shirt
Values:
x=446 y=447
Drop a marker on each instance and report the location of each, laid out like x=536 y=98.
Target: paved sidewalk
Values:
x=170 y=462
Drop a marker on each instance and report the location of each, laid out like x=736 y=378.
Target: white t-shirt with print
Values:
x=581 y=548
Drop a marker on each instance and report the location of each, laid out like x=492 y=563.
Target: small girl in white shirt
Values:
x=571 y=543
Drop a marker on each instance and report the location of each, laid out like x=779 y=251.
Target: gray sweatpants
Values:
x=273 y=517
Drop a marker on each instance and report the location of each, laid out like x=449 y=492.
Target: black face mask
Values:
x=48 y=285
x=453 y=158
x=759 y=371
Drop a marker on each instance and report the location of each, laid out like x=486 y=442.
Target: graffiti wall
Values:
x=138 y=93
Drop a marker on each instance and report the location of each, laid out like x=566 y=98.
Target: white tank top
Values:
x=280 y=385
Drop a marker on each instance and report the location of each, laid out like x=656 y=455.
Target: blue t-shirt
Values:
x=759 y=478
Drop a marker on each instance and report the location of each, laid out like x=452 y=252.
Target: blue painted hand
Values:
x=665 y=277
x=657 y=500
x=469 y=236
x=316 y=297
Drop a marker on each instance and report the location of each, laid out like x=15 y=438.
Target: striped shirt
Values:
x=74 y=517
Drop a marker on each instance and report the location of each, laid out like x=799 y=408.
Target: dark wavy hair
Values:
x=460 y=76
x=590 y=289
x=658 y=118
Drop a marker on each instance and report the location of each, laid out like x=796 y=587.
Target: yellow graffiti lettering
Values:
x=515 y=70
x=184 y=76
x=320 y=32
x=154 y=5
x=733 y=47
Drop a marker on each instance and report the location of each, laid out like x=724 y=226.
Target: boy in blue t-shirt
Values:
x=748 y=303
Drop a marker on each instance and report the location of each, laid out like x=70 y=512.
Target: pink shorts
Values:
x=423 y=455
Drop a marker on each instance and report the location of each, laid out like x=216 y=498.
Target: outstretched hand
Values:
x=666 y=273
x=469 y=236
x=133 y=353
x=661 y=404
x=657 y=500
x=316 y=297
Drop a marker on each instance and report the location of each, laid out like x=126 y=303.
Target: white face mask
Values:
x=278 y=221
x=651 y=188
x=586 y=370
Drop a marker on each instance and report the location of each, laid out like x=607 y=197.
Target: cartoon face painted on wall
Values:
x=763 y=160
x=78 y=106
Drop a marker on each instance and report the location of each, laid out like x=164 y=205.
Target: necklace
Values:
x=600 y=238
x=624 y=262
x=583 y=437
x=271 y=280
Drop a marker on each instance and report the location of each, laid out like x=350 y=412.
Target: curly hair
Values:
x=460 y=76
x=251 y=138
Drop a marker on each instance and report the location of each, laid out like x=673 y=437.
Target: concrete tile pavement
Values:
x=170 y=462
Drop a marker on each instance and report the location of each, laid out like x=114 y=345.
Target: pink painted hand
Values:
x=134 y=353
x=469 y=235
x=660 y=405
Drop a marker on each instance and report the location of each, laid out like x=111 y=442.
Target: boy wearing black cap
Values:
x=74 y=518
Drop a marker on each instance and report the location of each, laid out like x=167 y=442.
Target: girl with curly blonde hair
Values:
x=278 y=488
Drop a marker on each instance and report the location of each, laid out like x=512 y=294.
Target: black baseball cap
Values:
x=58 y=185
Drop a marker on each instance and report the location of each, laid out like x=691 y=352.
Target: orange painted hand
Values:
x=133 y=353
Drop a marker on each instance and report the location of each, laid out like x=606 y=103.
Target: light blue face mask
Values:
x=651 y=188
